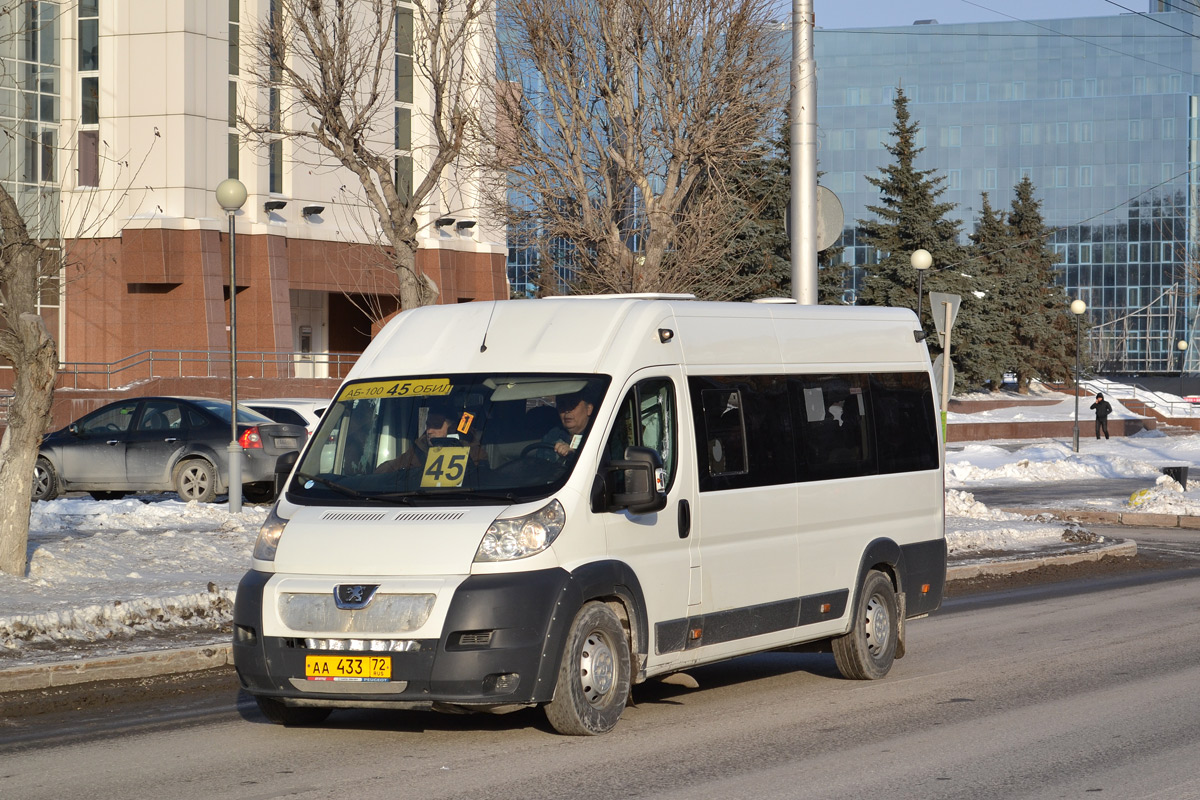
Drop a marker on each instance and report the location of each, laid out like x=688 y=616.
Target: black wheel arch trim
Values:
x=914 y=564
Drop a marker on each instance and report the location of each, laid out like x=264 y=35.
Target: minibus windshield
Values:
x=449 y=439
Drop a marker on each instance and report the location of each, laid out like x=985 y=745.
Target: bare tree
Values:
x=25 y=263
x=326 y=76
x=630 y=119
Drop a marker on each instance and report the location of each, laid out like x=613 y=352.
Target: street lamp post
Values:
x=1182 y=346
x=231 y=195
x=921 y=260
x=1078 y=307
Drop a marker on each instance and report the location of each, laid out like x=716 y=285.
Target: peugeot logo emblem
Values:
x=354 y=596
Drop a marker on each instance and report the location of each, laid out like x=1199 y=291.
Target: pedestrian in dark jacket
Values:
x=1102 y=409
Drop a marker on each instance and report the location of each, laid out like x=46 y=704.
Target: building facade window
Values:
x=275 y=111
x=88 y=135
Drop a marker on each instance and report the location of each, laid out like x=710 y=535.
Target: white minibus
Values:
x=544 y=502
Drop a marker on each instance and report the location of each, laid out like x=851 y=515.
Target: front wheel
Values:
x=868 y=650
x=196 y=479
x=593 y=679
x=45 y=480
x=275 y=711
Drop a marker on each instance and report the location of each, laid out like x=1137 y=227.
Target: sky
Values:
x=880 y=13
x=103 y=573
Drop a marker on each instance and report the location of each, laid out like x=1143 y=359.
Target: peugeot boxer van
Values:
x=544 y=502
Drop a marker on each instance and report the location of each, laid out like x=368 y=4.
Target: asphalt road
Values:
x=1051 y=494
x=1062 y=690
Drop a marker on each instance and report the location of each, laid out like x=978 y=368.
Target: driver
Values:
x=575 y=415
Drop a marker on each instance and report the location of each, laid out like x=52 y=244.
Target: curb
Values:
x=113 y=668
x=1132 y=518
x=1123 y=549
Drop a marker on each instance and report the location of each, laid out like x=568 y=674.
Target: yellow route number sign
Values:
x=445 y=466
x=426 y=387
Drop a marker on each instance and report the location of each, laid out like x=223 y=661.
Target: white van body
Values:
x=752 y=476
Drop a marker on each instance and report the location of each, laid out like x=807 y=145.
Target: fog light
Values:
x=502 y=683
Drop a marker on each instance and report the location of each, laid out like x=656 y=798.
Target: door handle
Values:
x=685 y=519
x=112 y=441
x=171 y=439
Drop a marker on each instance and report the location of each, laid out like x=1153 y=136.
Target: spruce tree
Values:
x=1041 y=322
x=910 y=217
x=993 y=245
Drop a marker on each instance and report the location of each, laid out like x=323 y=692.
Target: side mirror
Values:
x=74 y=428
x=636 y=482
x=283 y=468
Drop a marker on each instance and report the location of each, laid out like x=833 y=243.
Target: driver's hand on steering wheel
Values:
x=562 y=449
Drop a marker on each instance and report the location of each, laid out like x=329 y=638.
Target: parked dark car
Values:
x=162 y=444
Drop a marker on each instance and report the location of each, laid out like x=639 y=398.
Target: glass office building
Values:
x=1101 y=113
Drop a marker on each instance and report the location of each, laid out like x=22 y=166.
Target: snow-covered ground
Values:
x=104 y=571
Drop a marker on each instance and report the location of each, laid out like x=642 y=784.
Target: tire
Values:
x=45 y=480
x=866 y=653
x=196 y=479
x=593 y=679
x=263 y=492
x=275 y=711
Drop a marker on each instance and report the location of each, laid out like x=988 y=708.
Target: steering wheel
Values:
x=112 y=426
x=529 y=448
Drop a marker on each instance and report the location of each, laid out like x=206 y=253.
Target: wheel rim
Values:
x=194 y=482
x=878 y=627
x=41 y=481
x=597 y=668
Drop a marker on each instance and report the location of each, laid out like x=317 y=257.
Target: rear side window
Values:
x=904 y=417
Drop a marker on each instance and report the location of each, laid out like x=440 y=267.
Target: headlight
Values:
x=520 y=537
x=268 y=536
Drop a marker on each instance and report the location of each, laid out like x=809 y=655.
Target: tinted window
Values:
x=833 y=433
x=285 y=415
x=905 y=421
x=161 y=415
x=743 y=431
x=110 y=419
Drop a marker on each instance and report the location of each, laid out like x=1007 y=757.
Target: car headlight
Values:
x=268 y=536
x=521 y=537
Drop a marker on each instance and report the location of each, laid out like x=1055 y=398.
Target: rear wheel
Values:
x=196 y=479
x=868 y=650
x=275 y=711
x=45 y=480
x=593 y=679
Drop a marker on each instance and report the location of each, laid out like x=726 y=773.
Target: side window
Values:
x=647 y=418
x=834 y=436
x=197 y=420
x=743 y=431
x=115 y=419
x=726 y=431
x=905 y=421
x=161 y=415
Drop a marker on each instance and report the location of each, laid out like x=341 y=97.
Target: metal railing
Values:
x=148 y=364
x=1135 y=391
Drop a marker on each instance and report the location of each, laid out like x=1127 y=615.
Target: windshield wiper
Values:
x=425 y=494
x=337 y=487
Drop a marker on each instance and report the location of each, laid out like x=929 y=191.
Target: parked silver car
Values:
x=157 y=444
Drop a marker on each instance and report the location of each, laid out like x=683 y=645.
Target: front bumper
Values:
x=500 y=645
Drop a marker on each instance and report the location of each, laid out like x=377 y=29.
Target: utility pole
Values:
x=803 y=210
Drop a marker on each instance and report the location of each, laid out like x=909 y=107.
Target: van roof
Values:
x=618 y=333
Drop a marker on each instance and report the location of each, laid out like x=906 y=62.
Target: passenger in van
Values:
x=575 y=416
